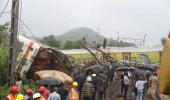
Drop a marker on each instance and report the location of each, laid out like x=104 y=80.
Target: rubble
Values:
x=50 y=59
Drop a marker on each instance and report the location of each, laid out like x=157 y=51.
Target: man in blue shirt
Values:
x=54 y=95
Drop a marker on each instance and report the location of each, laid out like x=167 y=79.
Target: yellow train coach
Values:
x=146 y=55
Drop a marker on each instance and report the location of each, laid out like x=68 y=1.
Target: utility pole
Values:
x=98 y=30
x=13 y=40
x=144 y=39
x=118 y=38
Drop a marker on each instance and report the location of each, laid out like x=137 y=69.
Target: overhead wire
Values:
x=22 y=21
x=4 y=8
x=20 y=16
x=26 y=26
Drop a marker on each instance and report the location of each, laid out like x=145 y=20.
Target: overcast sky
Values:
x=131 y=18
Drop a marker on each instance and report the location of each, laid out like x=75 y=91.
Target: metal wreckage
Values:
x=35 y=56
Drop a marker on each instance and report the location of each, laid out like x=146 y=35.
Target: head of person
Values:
x=89 y=79
x=155 y=74
x=14 y=90
x=126 y=73
x=41 y=89
x=75 y=84
x=20 y=97
x=18 y=79
x=36 y=96
x=93 y=76
x=108 y=63
x=140 y=78
x=29 y=92
x=119 y=97
x=54 y=88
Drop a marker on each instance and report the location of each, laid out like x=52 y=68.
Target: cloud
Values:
x=137 y=17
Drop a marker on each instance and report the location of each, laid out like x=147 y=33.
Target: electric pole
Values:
x=144 y=39
x=13 y=40
x=98 y=30
x=118 y=38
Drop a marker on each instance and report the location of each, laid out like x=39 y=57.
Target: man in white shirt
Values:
x=140 y=87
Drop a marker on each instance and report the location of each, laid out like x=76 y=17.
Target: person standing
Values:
x=20 y=97
x=122 y=83
x=87 y=90
x=111 y=72
x=46 y=92
x=36 y=96
x=42 y=90
x=29 y=94
x=63 y=92
x=126 y=81
x=73 y=93
x=80 y=79
x=54 y=95
x=14 y=90
x=19 y=83
x=153 y=84
x=140 y=88
x=94 y=84
x=100 y=87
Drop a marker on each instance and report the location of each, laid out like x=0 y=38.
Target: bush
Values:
x=3 y=63
x=3 y=92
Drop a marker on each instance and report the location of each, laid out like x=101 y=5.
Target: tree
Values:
x=51 y=41
x=4 y=33
x=114 y=43
x=4 y=52
x=3 y=63
x=72 y=45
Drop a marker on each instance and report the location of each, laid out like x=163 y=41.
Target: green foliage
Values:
x=3 y=92
x=4 y=33
x=115 y=43
x=51 y=41
x=72 y=45
x=3 y=63
x=3 y=52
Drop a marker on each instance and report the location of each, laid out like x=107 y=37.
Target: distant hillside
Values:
x=78 y=33
x=90 y=35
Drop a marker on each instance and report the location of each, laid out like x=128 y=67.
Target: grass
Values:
x=3 y=92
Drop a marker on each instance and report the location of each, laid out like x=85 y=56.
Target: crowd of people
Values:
x=85 y=88
x=93 y=86
x=89 y=86
x=146 y=85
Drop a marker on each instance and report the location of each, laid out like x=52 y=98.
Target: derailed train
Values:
x=34 y=56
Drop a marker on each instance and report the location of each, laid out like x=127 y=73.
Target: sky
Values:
x=131 y=18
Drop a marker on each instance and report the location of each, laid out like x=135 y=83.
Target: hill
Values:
x=90 y=35
x=78 y=33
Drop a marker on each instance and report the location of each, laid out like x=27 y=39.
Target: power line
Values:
x=20 y=16
x=26 y=26
x=4 y=8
